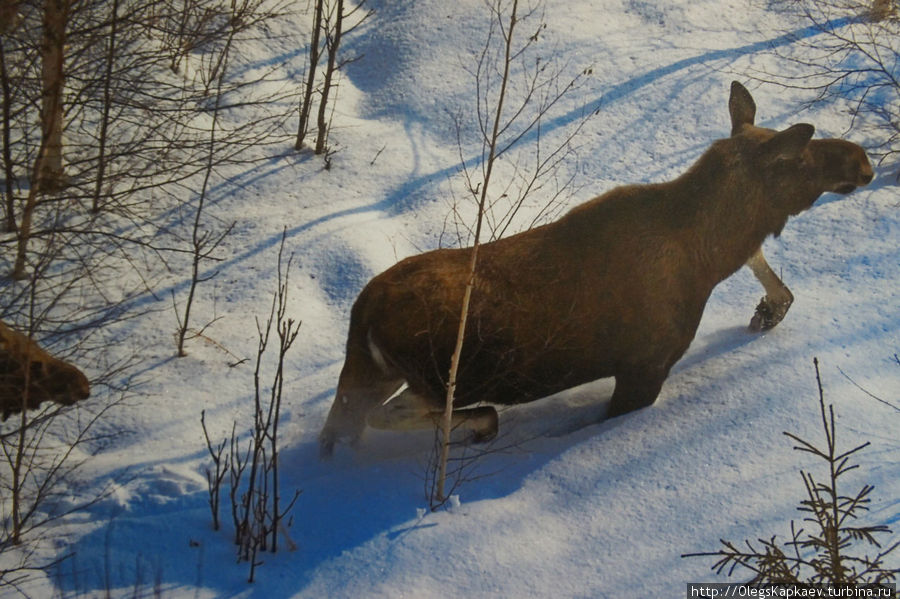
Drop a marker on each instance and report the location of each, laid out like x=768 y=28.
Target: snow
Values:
x=572 y=507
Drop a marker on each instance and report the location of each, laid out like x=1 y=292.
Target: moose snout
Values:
x=844 y=165
x=862 y=177
x=82 y=390
x=863 y=180
x=78 y=388
x=865 y=174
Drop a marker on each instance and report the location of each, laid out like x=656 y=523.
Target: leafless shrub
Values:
x=135 y=150
x=257 y=510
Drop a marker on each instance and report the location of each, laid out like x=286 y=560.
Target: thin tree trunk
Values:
x=107 y=104
x=447 y=420
x=275 y=414
x=333 y=43
x=10 y=204
x=44 y=176
x=199 y=240
x=23 y=233
x=16 y=490
x=56 y=14
x=314 y=50
x=179 y=48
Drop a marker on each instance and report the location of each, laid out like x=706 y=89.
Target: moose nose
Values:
x=866 y=177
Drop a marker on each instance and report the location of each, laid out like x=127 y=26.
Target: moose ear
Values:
x=741 y=107
x=789 y=143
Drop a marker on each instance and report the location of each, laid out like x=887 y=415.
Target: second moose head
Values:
x=30 y=376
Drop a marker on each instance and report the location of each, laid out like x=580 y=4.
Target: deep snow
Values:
x=573 y=508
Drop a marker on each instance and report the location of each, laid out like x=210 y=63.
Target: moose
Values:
x=30 y=376
x=614 y=288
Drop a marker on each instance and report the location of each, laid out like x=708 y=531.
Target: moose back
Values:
x=615 y=288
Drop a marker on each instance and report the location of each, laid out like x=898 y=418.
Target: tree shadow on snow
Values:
x=409 y=194
x=159 y=529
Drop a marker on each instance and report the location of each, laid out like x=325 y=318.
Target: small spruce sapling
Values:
x=823 y=554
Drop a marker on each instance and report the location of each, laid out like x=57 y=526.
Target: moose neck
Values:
x=731 y=213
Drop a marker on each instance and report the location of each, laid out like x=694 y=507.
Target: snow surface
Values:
x=573 y=508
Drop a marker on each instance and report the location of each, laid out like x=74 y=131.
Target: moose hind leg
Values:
x=347 y=417
x=778 y=299
x=634 y=390
x=415 y=411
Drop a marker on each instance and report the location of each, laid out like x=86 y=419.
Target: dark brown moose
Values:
x=615 y=288
x=30 y=376
x=837 y=159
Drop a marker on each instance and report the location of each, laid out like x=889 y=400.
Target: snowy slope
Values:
x=572 y=508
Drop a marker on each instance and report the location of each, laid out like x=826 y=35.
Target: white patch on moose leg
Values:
x=774 y=306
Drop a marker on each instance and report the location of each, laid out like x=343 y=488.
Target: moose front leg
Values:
x=778 y=299
x=414 y=411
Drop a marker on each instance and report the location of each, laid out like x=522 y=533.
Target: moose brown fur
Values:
x=615 y=288
x=30 y=376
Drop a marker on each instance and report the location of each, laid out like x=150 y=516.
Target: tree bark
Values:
x=56 y=14
x=10 y=204
x=447 y=417
x=311 y=75
x=107 y=106
x=333 y=43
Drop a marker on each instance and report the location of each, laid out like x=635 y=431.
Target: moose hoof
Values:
x=326 y=448
x=768 y=314
x=485 y=425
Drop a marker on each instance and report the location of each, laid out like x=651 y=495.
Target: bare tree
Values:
x=215 y=476
x=330 y=20
x=315 y=50
x=526 y=92
x=852 y=62
x=203 y=243
x=257 y=510
x=56 y=17
x=6 y=89
x=109 y=62
x=492 y=142
x=334 y=24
